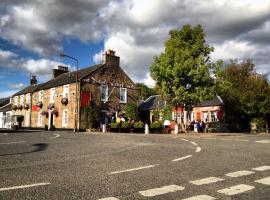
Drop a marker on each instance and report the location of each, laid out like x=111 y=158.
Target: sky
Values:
x=34 y=32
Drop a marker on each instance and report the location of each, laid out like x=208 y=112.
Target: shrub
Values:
x=156 y=124
x=93 y=115
x=125 y=125
x=138 y=124
x=114 y=125
x=131 y=111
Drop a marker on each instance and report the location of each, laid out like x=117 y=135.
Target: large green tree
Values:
x=248 y=96
x=144 y=91
x=184 y=73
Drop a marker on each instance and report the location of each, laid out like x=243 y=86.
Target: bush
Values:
x=114 y=125
x=138 y=124
x=125 y=125
x=93 y=115
x=156 y=124
x=131 y=111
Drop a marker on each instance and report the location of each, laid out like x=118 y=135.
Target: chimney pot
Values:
x=110 y=59
x=33 y=80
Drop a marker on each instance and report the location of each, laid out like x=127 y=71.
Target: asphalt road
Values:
x=67 y=165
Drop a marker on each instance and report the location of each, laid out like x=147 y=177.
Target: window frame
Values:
x=106 y=93
x=52 y=95
x=65 y=118
x=40 y=95
x=40 y=120
x=21 y=99
x=65 y=91
x=125 y=95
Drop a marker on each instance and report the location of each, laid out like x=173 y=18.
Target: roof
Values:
x=69 y=77
x=62 y=79
x=6 y=108
x=154 y=102
x=4 y=101
x=216 y=101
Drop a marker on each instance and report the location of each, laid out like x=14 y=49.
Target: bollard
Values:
x=146 y=129
x=176 y=129
x=103 y=128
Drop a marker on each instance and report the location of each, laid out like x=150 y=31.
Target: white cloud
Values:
x=16 y=85
x=7 y=93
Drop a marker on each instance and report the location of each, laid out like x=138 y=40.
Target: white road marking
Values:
x=182 y=158
x=240 y=173
x=242 y=140
x=263 y=141
x=200 y=197
x=185 y=140
x=5 y=133
x=134 y=169
x=13 y=142
x=236 y=189
x=193 y=143
x=198 y=149
x=205 y=181
x=262 y=168
x=265 y=181
x=162 y=190
x=56 y=136
x=23 y=186
x=109 y=198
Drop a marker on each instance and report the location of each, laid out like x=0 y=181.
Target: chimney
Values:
x=60 y=70
x=33 y=80
x=110 y=59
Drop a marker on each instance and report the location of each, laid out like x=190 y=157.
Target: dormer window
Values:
x=123 y=95
x=104 y=93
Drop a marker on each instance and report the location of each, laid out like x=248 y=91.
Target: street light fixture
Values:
x=76 y=88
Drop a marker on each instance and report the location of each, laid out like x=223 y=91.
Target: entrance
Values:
x=50 y=127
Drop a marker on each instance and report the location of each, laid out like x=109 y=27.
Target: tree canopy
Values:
x=145 y=91
x=184 y=73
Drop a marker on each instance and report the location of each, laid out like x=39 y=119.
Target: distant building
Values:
x=5 y=112
x=61 y=102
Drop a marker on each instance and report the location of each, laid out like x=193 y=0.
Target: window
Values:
x=104 y=93
x=40 y=95
x=123 y=95
x=65 y=91
x=16 y=101
x=52 y=96
x=213 y=116
x=205 y=116
x=27 y=117
x=28 y=98
x=39 y=119
x=21 y=99
x=65 y=118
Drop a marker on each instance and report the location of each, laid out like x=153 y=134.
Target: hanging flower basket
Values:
x=64 y=101
x=55 y=112
x=14 y=107
x=40 y=104
x=20 y=107
x=26 y=106
x=51 y=106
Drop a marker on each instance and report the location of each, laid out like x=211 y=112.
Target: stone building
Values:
x=61 y=102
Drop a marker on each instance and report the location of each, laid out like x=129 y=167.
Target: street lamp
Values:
x=76 y=88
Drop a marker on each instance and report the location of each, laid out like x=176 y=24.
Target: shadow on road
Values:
x=39 y=147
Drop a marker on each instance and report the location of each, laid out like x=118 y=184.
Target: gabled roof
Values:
x=4 y=101
x=62 y=79
x=154 y=102
x=6 y=108
x=216 y=101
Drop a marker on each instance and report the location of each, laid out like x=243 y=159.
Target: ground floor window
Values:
x=27 y=117
x=65 y=118
x=39 y=119
x=213 y=116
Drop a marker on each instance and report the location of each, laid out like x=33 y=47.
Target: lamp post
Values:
x=76 y=88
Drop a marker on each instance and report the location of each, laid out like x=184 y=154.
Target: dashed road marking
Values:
x=263 y=141
x=185 y=140
x=198 y=149
x=262 y=168
x=55 y=136
x=240 y=173
x=205 y=181
x=200 y=197
x=182 y=158
x=23 y=186
x=236 y=189
x=13 y=142
x=109 y=198
x=195 y=144
x=265 y=181
x=134 y=169
x=163 y=190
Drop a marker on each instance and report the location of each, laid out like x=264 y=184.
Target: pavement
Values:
x=112 y=166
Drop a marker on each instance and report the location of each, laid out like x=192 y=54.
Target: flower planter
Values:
x=51 y=106
x=64 y=101
x=156 y=130
x=40 y=104
x=14 y=107
x=26 y=106
x=20 y=107
x=138 y=130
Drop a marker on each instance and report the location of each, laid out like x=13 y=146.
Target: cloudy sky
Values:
x=34 y=32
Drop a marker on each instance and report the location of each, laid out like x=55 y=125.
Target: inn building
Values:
x=61 y=102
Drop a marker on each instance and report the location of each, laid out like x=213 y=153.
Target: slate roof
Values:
x=216 y=101
x=4 y=101
x=154 y=102
x=62 y=79
x=6 y=108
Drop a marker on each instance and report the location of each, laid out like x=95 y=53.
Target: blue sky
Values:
x=32 y=36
